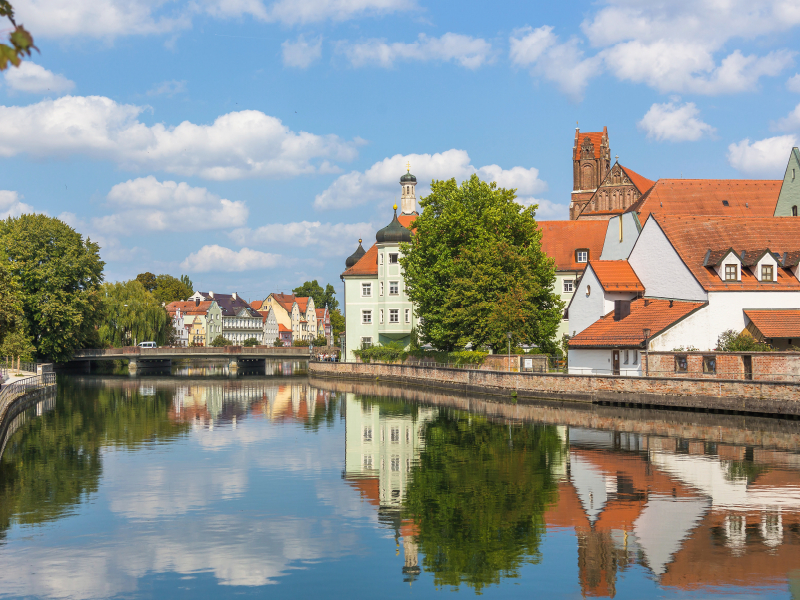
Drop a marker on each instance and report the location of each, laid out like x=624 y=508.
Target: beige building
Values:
x=296 y=313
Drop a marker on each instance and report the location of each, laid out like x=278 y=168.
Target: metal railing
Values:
x=14 y=366
x=14 y=390
x=188 y=351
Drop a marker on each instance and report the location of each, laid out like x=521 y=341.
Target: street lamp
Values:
x=508 y=335
x=646 y=332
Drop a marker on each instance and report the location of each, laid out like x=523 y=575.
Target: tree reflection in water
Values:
x=477 y=497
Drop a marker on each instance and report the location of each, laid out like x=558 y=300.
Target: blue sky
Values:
x=250 y=143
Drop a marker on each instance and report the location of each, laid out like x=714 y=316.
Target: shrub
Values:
x=300 y=343
x=250 y=342
x=391 y=352
x=220 y=341
x=731 y=341
x=321 y=341
x=278 y=343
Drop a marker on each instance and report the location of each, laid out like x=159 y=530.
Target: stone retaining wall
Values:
x=764 y=397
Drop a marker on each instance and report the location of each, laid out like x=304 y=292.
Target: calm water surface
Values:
x=200 y=484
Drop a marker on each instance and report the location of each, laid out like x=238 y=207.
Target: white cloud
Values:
x=381 y=181
x=292 y=12
x=790 y=122
x=562 y=63
x=793 y=83
x=236 y=145
x=146 y=204
x=300 y=53
x=674 y=123
x=330 y=237
x=168 y=88
x=32 y=78
x=467 y=51
x=217 y=258
x=765 y=157
x=11 y=205
x=104 y=19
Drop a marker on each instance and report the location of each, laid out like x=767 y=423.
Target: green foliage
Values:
x=300 y=343
x=337 y=323
x=478 y=495
x=187 y=282
x=250 y=342
x=467 y=357
x=17 y=343
x=475 y=270
x=148 y=280
x=11 y=315
x=278 y=343
x=731 y=341
x=391 y=352
x=168 y=289
x=59 y=276
x=320 y=341
x=322 y=297
x=397 y=351
x=688 y=348
x=21 y=41
x=131 y=315
x=220 y=341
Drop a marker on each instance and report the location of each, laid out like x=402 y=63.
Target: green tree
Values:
x=20 y=41
x=337 y=323
x=733 y=341
x=131 y=315
x=475 y=269
x=11 y=314
x=148 y=280
x=187 y=282
x=59 y=275
x=322 y=297
x=220 y=341
x=17 y=343
x=321 y=340
x=250 y=342
x=169 y=289
x=478 y=494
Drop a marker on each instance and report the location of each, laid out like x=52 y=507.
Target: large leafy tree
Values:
x=475 y=269
x=478 y=494
x=131 y=314
x=59 y=274
x=337 y=324
x=10 y=299
x=169 y=289
x=148 y=280
x=322 y=297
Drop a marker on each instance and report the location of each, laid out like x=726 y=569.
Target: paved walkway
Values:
x=14 y=377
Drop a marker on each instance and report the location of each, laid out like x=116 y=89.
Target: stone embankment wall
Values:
x=765 y=397
x=766 y=366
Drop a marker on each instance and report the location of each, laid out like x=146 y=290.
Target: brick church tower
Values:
x=591 y=160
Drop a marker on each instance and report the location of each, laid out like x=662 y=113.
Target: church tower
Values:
x=591 y=161
x=408 y=198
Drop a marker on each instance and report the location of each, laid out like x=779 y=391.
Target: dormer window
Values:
x=731 y=273
x=766 y=273
x=582 y=255
x=725 y=203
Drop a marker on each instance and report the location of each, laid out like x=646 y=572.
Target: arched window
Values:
x=794 y=210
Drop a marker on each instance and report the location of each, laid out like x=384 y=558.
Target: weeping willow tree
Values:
x=131 y=314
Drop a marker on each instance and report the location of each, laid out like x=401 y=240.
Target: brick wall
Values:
x=766 y=366
x=767 y=397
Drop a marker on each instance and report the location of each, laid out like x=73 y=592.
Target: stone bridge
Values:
x=235 y=356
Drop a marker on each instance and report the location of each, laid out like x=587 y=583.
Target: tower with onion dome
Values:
x=408 y=197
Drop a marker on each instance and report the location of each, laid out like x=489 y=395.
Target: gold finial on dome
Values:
x=359 y=240
x=395 y=207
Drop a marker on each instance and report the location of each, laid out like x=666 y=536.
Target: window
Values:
x=588 y=291
x=393 y=258
x=381 y=288
x=368 y=436
x=731 y=273
x=366 y=317
x=625 y=357
x=766 y=273
x=635 y=357
x=681 y=363
x=582 y=256
x=366 y=290
x=794 y=211
x=394 y=288
x=381 y=321
x=380 y=257
x=366 y=342
x=396 y=465
x=710 y=365
x=368 y=462
x=408 y=315
x=568 y=283
x=394 y=315
x=395 y=434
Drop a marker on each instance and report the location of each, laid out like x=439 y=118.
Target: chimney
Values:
x=622 y=308
x=234 y=296
x=197 y=301
x=211 y=294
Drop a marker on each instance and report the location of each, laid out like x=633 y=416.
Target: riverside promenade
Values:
x=775 y=398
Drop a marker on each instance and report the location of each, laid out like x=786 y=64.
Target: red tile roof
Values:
x=284 y=328
x=368 y=265
x=745 y=197
x=597 y=139
x=616 y=276
x=406 y=220
x=257 y=304
x=641 y=182
x=320 y=313
x=692 y=237
x=776 y=323
x=189 y=307
x=560 y=239
x=657 y=316
x=302 y=303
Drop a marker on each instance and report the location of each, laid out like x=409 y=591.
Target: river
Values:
x=199 y=483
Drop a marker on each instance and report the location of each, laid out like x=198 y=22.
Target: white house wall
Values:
x=660 y=269
x=593 y=361
x=585 y=310
x=615 y=248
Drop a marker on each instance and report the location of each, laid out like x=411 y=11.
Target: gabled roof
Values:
x=750 y=258
x=190 y=307
x=744 y=197
x=616 y=276
x=642 y=183
x=693 y=236
x=284 y=328
x=776 y=323
x=368 y=265
x=596 y=138
x=714 y=257
x=560 y=239
x=320 y=312
x=256 y=304
x=302 y=303
x=264 y=314
x=654 y=314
